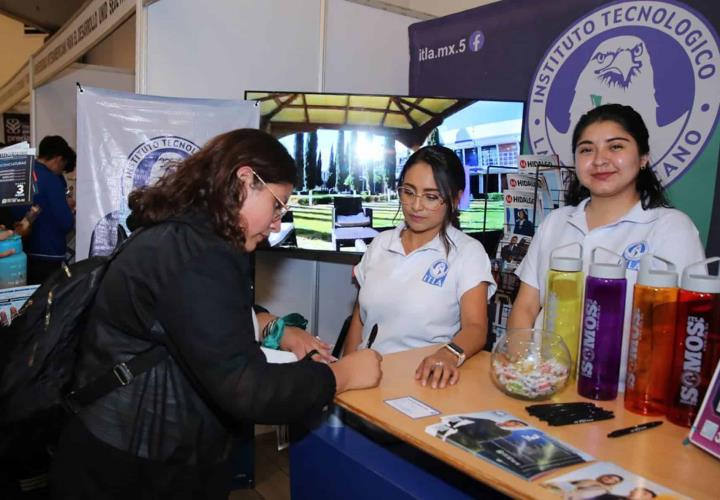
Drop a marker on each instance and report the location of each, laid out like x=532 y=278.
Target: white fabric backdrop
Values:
x=126 y=140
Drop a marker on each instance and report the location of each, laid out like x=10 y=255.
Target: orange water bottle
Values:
x=652 y=334
x=697 y=343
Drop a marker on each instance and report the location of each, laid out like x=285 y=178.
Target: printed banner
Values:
x=16 y=127
x=16 y=174
x=126 y=141
x=660 y=56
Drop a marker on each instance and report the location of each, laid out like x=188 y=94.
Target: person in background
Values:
x=45 y=245
x=507 y=252
x=425 y=282
x=522 y=224
x=184 y=284
x=615 y=202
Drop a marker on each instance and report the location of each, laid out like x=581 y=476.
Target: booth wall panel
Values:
x=222 y=48
x=284 y=285
x=366 y=49
x=56 y=101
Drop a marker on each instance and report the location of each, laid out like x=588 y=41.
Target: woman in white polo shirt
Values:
x=615 y=202
x=425 y=282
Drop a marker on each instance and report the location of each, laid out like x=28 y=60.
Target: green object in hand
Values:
x=272 y=339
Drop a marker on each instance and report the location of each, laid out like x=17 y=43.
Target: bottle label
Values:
x=636 y=324
x=590 y=325
x=696 y=331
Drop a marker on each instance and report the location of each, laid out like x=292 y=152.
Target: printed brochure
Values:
x=607 y=480
x=508 y=442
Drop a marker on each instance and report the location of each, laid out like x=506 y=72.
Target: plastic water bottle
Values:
x=563 y=299
x=652 y=334
x=602 y=329
x=697 y=343
x=13 y=268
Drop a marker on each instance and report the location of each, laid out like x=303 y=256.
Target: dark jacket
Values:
x=199 y=290
x=47 y=239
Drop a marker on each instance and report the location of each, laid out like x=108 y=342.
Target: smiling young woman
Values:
x=615 y=202
x=425 y=282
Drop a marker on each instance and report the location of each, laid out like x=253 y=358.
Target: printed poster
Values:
x=126 y=141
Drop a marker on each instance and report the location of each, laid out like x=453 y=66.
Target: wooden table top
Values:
x=657 y=454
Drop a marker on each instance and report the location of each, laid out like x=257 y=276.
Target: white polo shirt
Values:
x=415 y=299
x=665 y=232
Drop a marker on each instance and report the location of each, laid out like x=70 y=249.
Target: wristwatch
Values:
x=457 y=351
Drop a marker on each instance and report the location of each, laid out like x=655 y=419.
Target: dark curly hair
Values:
x=207 y=180
x=449 y=176
x=648 y=186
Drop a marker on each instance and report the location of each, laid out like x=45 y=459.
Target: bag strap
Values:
x=120 y=375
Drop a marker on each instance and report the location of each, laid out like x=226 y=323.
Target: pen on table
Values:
x=580 y=419
x=373 y=334
x=634 y=429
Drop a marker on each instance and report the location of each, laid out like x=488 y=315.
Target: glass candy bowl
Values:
x=530 y=364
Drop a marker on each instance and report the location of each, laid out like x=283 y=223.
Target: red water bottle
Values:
x=697 y=343
x=652 y=336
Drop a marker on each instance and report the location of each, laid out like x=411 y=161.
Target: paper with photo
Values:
x=12 y=300
x=548 y=167
x=523 y=212
x=534 y=184
x=508 y=442
x=606 y=480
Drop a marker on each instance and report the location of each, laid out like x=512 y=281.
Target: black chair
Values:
x=287 y=237
x=351 y=221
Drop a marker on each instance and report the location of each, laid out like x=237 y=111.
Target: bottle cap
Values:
x=703 y=283
x=661 y=278
x=604 y=270
x=564 y=263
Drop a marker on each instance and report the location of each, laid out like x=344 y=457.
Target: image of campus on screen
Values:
x=350 y=149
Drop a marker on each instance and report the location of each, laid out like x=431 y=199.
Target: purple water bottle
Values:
x=602 y=329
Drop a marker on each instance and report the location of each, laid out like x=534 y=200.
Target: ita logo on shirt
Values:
x=633 y=252
x=436 y=273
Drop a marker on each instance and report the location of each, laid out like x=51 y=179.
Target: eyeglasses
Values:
x=429 y=201
x=281 y=208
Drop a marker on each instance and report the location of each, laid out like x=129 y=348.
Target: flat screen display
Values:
x=349 y=150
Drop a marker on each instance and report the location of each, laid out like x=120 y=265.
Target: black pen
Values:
x=634 y=429
x=580 y=419
x=373 y=334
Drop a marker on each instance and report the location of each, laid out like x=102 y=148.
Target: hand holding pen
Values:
x=373 y=334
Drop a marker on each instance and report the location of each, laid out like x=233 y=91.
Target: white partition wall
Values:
x=54 y=103
x=221 y=48
x=366 y=49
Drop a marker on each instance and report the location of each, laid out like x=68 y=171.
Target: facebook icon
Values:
x=477 y=40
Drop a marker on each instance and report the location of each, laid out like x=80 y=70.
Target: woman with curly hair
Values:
x=182 y=290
